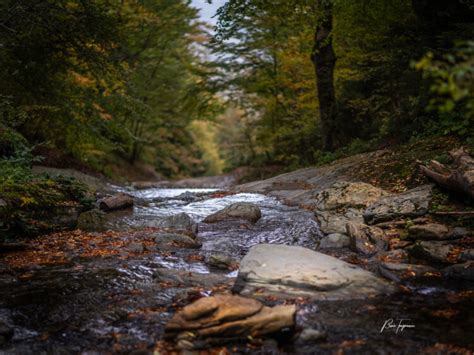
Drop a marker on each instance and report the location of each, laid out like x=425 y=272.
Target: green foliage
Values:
x=357 y=146
x=101 y=79
x=266 y=47
x=29 y=203
x=452 y=83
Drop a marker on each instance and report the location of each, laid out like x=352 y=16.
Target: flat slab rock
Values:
x=429 y=231
x=199 y=324
x=411 y=203
x=347 y=194
x=291 y=271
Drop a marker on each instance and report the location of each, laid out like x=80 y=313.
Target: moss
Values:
x=31 y=205
x=396 y=170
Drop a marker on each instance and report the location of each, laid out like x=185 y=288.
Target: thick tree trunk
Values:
x=324 y=61
x=460 y=179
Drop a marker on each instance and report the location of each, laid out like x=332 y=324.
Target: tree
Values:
x=324 y=60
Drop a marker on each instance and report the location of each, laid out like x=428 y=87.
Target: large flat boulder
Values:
x=290 y=271
x=412 y=203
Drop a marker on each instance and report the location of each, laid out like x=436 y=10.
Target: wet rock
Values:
x=433 y=251
x=290 y=271
x=335 y=240
x=240 y=210
x=92 y=221
x=6 y=333
x=312 y=335
x=171 y=241
x=335 y=222
x=66 y=217
x=6 y=275
x=226 y=316
x=399 y=272
x=400 y=244
x=347 y=194
x=395 y=256
x=467 y=255
x=460 y=271
x=367 y=240
x=460 y=232
x=119 y=201
x=187 y=279
x=178 y=222
x=221 y=261
x=430 y=231
x=137 y=248
x=143 y=185
x=223 y=308
x=187 y=196
x=9 y=247
x=412 y=203
x=139 y=201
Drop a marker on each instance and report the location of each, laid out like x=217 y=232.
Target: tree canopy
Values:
x=281 y=82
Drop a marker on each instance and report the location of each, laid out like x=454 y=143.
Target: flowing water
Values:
x=116 y=304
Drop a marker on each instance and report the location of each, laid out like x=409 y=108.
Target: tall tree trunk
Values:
x=137 y=131
x=324 y=61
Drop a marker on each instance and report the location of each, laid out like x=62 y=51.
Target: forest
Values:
x=111 y=111
x=112 y=85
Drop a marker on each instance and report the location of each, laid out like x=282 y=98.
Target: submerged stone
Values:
x=178 y=222
x=172 y=241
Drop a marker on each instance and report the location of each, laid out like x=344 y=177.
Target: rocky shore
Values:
x=186 y=270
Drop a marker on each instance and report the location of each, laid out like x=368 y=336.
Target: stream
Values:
x=118 y=304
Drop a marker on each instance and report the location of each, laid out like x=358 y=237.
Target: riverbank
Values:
x=117 y=286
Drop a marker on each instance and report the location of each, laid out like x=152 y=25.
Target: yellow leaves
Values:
x=441 y=348
x=26 y=201
x=447 y=313
x=454 y=254
x=56 y=248
x=348 y=344
x=102 y=112
x=83 y=80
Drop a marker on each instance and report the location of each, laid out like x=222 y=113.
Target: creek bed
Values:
x=115 y=304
